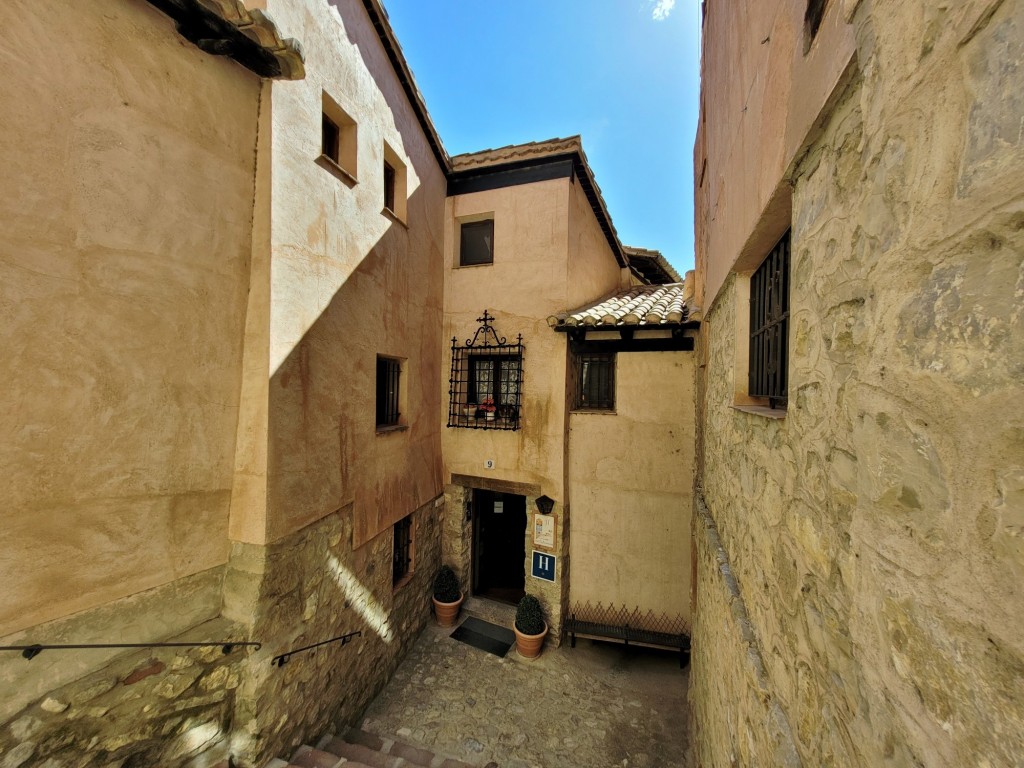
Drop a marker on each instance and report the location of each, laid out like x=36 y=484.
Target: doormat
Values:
x=485 y=636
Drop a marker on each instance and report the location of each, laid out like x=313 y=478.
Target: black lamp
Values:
x=545 y=504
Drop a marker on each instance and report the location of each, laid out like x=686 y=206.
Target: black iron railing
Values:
x=226 y=646
x=281 y=659
x=31 y=651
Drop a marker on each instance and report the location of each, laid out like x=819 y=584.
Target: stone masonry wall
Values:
x=190 y=708
x=312 y=586
x=874 y=533
x=159 y=706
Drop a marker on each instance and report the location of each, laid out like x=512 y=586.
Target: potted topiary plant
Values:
x=530 y=627
x=447 y=597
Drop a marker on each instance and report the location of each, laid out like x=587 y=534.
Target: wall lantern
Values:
x=545 y=504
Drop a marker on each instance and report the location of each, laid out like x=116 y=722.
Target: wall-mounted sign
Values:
x=499 y=507
x=489 y=464
x=543 y=566
x=544 y=531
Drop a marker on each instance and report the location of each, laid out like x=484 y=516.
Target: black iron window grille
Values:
x=769 y=326
x=401 y=559
x=389 y=372
x=595 y=381
x=485 y=387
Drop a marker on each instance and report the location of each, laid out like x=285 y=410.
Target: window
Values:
x=401 y=557
x=494 y=378
x=477 y=243
x=395 y=184
x=595 y=381
x=389 y=187
x=812 y=21
x=389 y=371
x=338 y=141
x=769 y=326
x=486 y=383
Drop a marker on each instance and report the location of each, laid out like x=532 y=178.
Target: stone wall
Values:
x=146 y=707
x=193 y=707
x=312 y=586
x=873 y=533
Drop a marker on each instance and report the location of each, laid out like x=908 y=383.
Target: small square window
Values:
x=389 y=371
x=477 y=243
x=395 y=184
x=595 y=381
x=402 y=554
x=338 y=141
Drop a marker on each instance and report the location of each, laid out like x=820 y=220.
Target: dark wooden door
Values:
x=499 y=545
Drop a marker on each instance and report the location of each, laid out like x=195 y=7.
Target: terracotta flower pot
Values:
x=529 y=645
x=447 y=613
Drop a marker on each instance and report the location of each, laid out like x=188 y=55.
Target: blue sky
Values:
x=622 y=73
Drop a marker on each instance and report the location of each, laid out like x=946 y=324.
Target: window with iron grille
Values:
x=769 y=326
x=595 y=381
x=485 y=387
x=389 y=372
x=401 y=558
x=476 y=244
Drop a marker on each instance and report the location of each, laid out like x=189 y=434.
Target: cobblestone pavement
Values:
x=594 y=706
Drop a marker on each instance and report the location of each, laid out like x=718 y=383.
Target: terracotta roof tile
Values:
x=515 y=152
x=642 y=305
x=651 y=265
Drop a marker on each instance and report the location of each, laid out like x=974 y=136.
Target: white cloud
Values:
x=663 y=9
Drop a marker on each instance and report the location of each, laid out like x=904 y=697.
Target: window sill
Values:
x=402 y=582
x=388 y=213
x=328 y=164
x=761 y=410
x=384 y=429
x=470 y=266
x=471 y=422
x=594 y=411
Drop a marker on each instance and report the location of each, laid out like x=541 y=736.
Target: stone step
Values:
x=373 y=758
x=502 y=614
x=309 y=757
x=414 y=757
x=356 y=748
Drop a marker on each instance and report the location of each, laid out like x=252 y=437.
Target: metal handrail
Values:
x=282 y=659
x=31 y=651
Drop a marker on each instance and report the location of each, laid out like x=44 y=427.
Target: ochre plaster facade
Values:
x=194 y=308
x=859 y=564
x=122 y=305
x=195 y=302
x=631 y=485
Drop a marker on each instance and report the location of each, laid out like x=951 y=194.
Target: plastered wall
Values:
x=549 y=255
x=122 y=297
x=343 y=281
x=631 y=483
x=754 y=122
x=873 y=534
x=525 y=284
